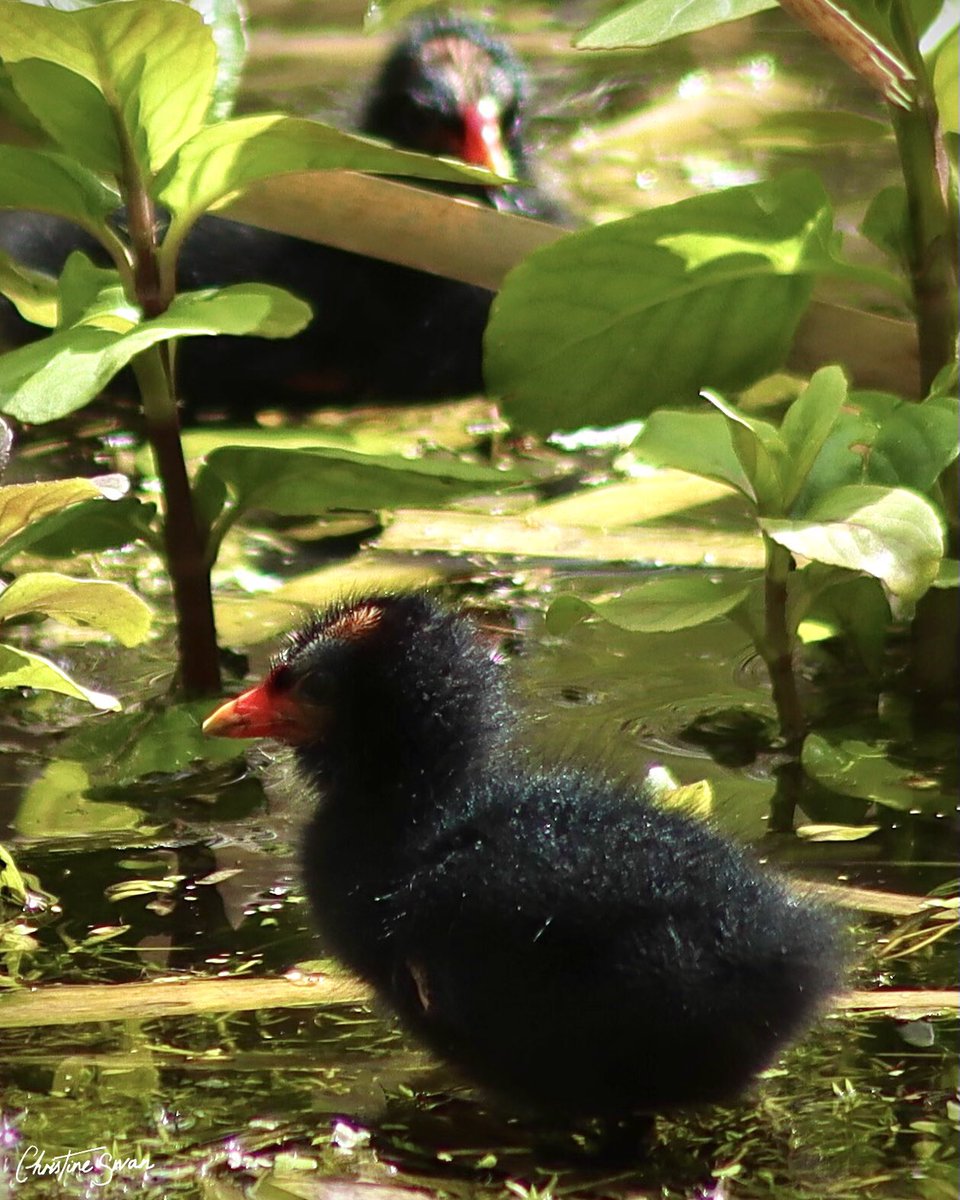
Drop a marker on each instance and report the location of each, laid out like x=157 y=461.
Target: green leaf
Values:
x=761 y=452
x=650 y=22
x=661 y=604
x=20 y=668
x=81 y=121
x=94 y=603
x=33 y=294
x=46 y=182
x=619 y=319
x=889 y=533
x=696 y=442
x=152 y=61
x=945 y=83
x=863 y=769
x=807 y=424
x=308 y=482
x=46 y=380
x=224 y=159
x=881 y=439
x=856 y=606
x=90 y=295
x=24 y=504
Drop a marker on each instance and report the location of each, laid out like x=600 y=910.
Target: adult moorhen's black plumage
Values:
x=571 y=947
x=380 y=331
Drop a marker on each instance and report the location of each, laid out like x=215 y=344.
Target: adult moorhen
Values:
x=379 y=331
x=574 y=949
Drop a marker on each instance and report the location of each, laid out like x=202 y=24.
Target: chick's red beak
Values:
x=263 y=712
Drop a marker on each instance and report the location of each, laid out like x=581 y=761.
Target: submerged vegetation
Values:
x=787 y=444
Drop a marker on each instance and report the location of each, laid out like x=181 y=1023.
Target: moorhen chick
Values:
x=379 y=331
x=571 y=947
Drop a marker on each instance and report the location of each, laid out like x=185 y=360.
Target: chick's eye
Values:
x=281 y=678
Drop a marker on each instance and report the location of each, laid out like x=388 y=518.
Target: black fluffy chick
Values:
x=380 y=331
x=572 y=948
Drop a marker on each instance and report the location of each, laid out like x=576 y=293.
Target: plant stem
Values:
x=185 y=539
x=777 y=648
x=184 y=534
x=931 y=228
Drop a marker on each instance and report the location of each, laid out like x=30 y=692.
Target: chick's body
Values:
x=568 y=945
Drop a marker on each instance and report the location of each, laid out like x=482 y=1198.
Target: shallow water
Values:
x=196 y=873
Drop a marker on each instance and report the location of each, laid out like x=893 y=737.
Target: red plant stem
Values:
x=184 y=536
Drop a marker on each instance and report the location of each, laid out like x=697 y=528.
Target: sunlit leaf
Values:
x=228 y=156
x=761 y=451
x=84 y=528
x=46 y=380
x=42 y=181
x=21 y=668
x=890 y=533
x=96 y=603
x=22 y=504
x=807 y=424
x=696 y=442
x=152 y=63
x=32 y=293
x=607 y=324
x=650 y=22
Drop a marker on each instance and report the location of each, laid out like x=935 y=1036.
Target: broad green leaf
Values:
x=949 y=574
x=95 y=603
x=47 y=380
x=33 y=294
x=945 y=83
x=81 y=123
x=91 y=525
x=308 y=482
x=650 y=22
x=45 y=182
x=661 y=604
x=20 y=668
x=807 y=424
x=227 y=157
x=864 y=770
x=890 y=533
x=760 y=450
x=152 y=60
x=696 y=442
x=23 y=504
x=609 y=323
